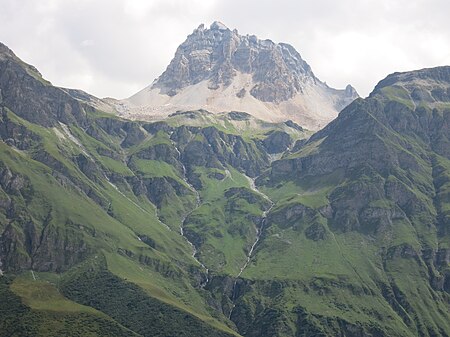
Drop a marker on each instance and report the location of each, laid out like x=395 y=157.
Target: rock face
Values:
x=33 y=98
x=219 y=70
x=218 y=54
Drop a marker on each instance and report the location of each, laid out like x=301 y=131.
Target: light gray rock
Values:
x=218 y=53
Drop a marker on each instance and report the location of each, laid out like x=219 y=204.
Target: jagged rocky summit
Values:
x=218 y=70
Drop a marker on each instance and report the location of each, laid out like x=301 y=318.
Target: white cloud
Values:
x=87 y=43
x=115 y=47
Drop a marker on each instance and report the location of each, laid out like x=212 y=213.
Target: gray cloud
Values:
x=116 y=47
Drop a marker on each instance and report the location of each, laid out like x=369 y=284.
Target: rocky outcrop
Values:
x=163 y=152
x=24 y=245
x=15 y=134
x=316 y=232
x=277 y=142
x=134 y=134
x=213 y=148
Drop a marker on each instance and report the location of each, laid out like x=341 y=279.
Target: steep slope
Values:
x=219 y=70
x=357 y=243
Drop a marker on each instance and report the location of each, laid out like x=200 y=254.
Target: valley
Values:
x=223 y=223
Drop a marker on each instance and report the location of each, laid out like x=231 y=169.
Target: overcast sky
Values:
x=116 y=47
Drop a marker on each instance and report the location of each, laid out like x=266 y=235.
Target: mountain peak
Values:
x=218 y=55
x=5 y=51
x=413 y=88
x=350 y=91
x=219 y=70
x=440 y=74
x=217 y=25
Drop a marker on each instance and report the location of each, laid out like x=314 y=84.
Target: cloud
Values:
x=115 y=48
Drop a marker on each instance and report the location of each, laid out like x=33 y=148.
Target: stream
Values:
x=183 y=220
x=259 y=232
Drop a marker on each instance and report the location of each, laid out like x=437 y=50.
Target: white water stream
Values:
x=198 y=204
x=259 y=232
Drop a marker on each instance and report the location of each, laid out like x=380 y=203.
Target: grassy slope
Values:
x=340 y=276
x=37 y=308
x=227 y=234
x=116 y=237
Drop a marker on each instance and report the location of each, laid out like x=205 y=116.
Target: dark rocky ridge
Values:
x=437 y=75
x=24 y=91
